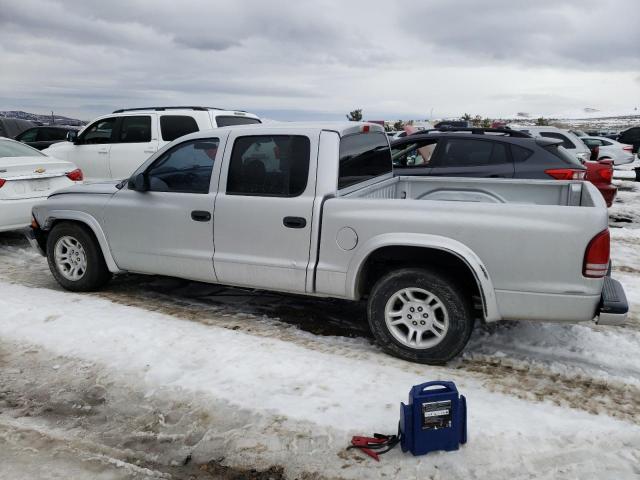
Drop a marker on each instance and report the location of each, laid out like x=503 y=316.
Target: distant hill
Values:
x=41 y=119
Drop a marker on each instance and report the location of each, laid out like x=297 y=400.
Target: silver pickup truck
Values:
x=314 y=209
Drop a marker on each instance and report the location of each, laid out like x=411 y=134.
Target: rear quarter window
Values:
x=520 y=154
x=560 y=152
x=363 y=156
x=230 y=120
x=176 y=126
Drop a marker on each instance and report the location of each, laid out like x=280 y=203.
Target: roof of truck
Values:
x=342 y=127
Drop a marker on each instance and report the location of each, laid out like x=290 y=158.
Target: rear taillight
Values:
x=605 y=173
x=565 y=173
x=596 y=257
x=2 y=182
x=75 y=175
x=628 y=148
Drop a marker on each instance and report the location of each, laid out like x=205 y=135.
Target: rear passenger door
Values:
x=470 y=157
x=135 y=139
x=262 y=216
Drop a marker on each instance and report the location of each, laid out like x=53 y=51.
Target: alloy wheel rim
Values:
x=416 y=318
x=70 y=258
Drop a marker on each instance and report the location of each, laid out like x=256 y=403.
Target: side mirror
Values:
x=72 y=136
x=139 y=182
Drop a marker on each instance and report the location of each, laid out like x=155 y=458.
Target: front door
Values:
x=90 y=151
x=262 y=217
x=168 y=229
x=135 y=140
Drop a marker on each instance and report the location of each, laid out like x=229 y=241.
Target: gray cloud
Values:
x=324 y=58
x=586 y=34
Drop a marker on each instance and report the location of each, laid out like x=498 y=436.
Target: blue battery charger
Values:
x=434 y=419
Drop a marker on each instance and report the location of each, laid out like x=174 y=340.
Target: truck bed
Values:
x=488 y=190
x=540 y=227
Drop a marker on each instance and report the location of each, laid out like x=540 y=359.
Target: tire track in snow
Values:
x=513 y=369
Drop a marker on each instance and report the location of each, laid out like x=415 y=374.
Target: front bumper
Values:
x=36 y=239
x=613 y=306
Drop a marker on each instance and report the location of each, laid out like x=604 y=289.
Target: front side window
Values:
x=459 y=152
x=363 y=156
x=28 y=136
x=415 y=154
x=229 y=120
x=269 y=165
x=135 y=129
x=176 y=126
x=53 y=134
x=98 y=132
x=566 y=143
x=186 y=168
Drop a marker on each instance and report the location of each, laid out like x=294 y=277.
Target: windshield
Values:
x=17 y=149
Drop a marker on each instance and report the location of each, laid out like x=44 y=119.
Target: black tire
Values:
x=451 y=297
x=96 y=274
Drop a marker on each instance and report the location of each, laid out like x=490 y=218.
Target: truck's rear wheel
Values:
x=75 y=258
x=420 y=315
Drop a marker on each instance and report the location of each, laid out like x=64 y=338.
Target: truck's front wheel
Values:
x=75 y=258
x=420 y=315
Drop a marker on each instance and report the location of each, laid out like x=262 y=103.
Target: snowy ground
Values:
x=163 y=378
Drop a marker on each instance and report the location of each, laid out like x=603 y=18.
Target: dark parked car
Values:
x=10 y=127
x=43 y=137
x=484 y=152
x=489 y=152
x=631 y=136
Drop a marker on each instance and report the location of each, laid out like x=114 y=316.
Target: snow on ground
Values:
x=161 y=378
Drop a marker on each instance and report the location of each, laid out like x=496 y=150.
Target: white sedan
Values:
x=27 y=177
x=609 y=149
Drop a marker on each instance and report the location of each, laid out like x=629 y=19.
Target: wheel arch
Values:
x=57 y=216
x=421 y=249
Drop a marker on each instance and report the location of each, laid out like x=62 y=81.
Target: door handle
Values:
x=200 y=216
x=150 y=150
x=294 y=222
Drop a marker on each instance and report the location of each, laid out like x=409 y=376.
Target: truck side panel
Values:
x=525 y=248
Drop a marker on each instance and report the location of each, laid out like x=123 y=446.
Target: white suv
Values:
x=114 y=146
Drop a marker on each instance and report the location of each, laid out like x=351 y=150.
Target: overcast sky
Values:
x=299 y=60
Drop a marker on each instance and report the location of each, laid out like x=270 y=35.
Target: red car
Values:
x=600 y=174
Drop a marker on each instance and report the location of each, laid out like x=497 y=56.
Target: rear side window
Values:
x=363 y=156
x=560 y=152
x=229 y=120
x=175 y=126
x=269 y=165
x=57 y=133
x=566 y=143
x=460 y=152
x=520 y=154
x=135 y=129
x=186 y=168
